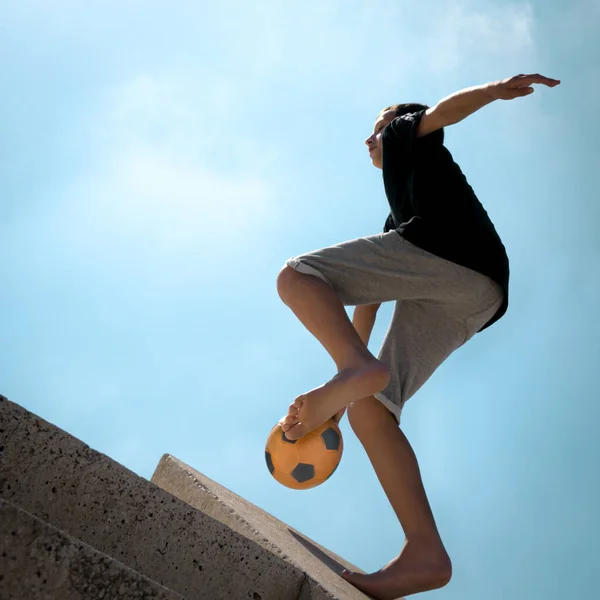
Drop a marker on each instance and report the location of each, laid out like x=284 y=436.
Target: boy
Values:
x=440 y=258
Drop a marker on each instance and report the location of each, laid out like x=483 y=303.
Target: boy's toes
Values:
x=292 y=417
x=288 y=421
x=296 y=404
x=295 y=432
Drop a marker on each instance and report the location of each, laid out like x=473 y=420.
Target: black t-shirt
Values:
x=434 y=207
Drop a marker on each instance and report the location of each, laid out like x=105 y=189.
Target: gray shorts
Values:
x=439 y=304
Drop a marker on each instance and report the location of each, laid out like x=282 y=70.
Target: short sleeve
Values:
x=400 y=133
x=390 y=224
x=402 y=151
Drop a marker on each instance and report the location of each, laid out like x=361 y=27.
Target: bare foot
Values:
x=312 y=409
x=418 y=568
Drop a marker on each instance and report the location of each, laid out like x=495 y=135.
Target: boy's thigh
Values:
x=422 y=335
x=386 y=267
x=419 y=339
x=355 y=269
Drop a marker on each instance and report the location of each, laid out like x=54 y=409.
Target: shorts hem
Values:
x=391 y=406
x=302 y=267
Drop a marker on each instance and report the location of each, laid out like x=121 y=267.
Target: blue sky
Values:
x=158 y=165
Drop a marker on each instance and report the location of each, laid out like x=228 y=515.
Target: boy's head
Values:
x=385 y=116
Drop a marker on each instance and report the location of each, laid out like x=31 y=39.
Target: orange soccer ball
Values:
x=305 y=463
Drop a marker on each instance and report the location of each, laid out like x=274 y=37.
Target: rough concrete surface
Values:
x=321 y=565
x=40 y=562
x=10 y=415
x=62 y=481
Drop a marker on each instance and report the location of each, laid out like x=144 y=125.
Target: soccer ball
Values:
x=305 y=463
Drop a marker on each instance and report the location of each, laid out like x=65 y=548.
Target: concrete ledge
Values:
x=39 y=561
x=62 y=481
x=321 y=565
x=10 y=415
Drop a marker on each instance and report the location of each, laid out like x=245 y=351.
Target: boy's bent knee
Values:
x=285 y=281
x=290 y=276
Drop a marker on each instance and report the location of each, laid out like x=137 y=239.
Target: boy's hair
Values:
x=404 y=109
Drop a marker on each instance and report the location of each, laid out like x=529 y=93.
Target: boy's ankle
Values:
x=430 y=544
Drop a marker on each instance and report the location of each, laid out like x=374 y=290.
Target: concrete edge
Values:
x=40 y=560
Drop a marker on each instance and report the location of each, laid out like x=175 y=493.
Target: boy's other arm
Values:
x=459 y=105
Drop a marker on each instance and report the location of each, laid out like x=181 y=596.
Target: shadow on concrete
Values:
x=327 y=560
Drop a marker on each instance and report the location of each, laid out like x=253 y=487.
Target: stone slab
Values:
x=10 y=415
x=40 y=562
x=84 y=493
x=322 y=566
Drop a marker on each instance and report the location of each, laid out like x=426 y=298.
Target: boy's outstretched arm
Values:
x=461 y=104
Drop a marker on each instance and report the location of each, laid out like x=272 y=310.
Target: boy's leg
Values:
x=423 y=563
x=420 y=337
x=380 y=268
x=317 y=286
x=360 y=374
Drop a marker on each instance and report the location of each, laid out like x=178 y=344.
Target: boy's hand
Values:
x=519 y=85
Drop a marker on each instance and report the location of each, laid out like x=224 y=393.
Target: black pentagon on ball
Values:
x=303 y=472
x=331 y=438
x=270 y=465
x=286 y=439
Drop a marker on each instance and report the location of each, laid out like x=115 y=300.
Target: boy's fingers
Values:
x=527 y=80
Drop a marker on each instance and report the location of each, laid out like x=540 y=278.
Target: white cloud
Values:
x=164 y=177
x=465 y=33
x=167 y=203
x=387 y=47
x=170 y=171
x=332 y=36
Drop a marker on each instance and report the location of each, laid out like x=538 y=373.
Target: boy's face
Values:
x=374 y=140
